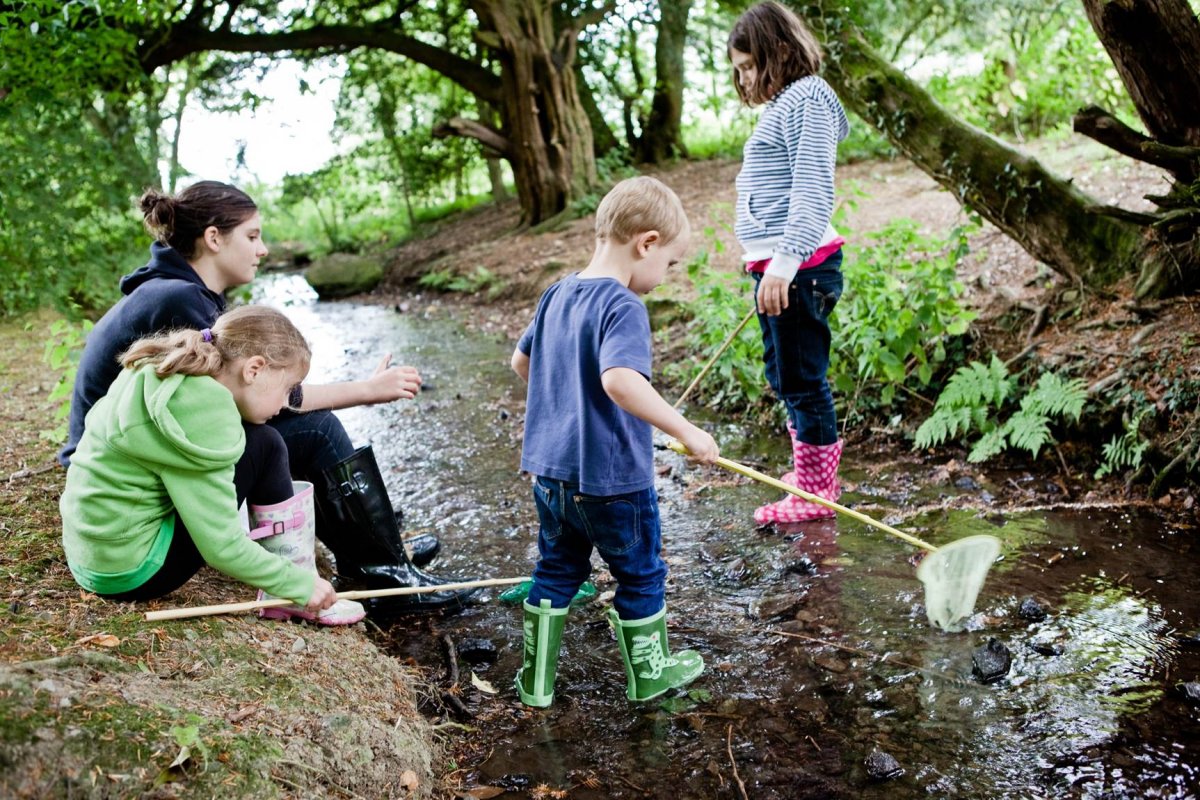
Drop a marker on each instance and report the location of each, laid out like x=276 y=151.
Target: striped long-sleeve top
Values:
x=785 y=187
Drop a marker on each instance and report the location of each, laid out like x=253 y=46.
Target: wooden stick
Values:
x=713 y=360
x=358 y=594
x=741 y=469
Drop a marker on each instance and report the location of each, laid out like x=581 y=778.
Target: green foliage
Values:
x=974 y=397
x=735 y=382
x=443 y=280
x=899 y=313
x=1126 y=449
x=64 y=344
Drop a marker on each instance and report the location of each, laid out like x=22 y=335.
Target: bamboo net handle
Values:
x=741 y=469
x=715 y=356
x=358 y=594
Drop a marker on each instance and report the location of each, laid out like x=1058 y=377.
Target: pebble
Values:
x=882 y=766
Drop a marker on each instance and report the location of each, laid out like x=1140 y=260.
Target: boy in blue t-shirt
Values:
x=586 y=357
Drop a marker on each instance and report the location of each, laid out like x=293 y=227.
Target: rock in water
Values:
x=991 y=662
x=882 y=766
x=1031 y=610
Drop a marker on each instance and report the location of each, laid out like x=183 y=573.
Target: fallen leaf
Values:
x=482 y=685
x=408 y=779
x=485 y=792
x=100 y=640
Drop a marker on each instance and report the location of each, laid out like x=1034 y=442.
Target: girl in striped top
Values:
x=784 y=207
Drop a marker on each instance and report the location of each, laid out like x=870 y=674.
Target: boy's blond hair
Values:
x=637 y=205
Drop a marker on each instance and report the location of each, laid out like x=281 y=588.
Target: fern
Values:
x=1125 y=451
x=975 y=395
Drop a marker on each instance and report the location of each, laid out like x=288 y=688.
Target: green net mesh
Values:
x=953 y=575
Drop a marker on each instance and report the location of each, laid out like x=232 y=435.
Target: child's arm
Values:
x=388 y=383
x=630 y=390
x=520 y=364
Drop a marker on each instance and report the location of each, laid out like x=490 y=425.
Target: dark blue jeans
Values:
x=624 y=528
x=796 y=350
x=316 y=440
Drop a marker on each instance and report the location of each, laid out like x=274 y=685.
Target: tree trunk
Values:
x=662 y=137
x=1046 y=215
x=541 y=114
x=544 y=131
x=604 y=141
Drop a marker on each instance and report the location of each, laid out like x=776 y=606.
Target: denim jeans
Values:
x=796 y=350
x=624 y=528
x=316 y=440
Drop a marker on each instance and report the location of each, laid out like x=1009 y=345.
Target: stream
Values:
x=823 y=678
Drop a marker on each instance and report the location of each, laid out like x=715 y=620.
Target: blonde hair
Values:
x=244 y=332
x=637 y=205
x=780 y=46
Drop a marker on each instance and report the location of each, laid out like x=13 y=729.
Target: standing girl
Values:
x=784 y=207
x=154 y=487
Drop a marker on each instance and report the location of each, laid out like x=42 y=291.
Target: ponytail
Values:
x=242 y=333
x=180 y=221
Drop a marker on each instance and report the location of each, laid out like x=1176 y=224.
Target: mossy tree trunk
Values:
x=544 y=131
x=1090 y=244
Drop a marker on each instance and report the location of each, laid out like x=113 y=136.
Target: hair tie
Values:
x=207 y=334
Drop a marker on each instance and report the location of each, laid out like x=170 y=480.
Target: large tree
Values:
x=1090 y=243
x=529 y=78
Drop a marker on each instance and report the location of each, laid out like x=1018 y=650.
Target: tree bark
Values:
x=662 y=135
x=1046 y=215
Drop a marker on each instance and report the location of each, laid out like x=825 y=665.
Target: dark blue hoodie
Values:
x=163 y=295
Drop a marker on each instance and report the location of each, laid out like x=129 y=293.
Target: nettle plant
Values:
x=977 y=395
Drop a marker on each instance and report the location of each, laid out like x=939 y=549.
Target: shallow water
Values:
x=816 y=641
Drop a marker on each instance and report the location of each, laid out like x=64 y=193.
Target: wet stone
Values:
x=774 y=606
x=802 y=566
x=967 y=483
x=1046 y=648
x=1031 y=610
x=1191 y=691
x=830 y=663
x=991 y=662
x=882 y=767
x=477 y=651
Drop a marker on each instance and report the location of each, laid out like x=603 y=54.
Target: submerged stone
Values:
x=991 y=662
x=1031 y=610
x=477 y=651
x=882 y=766
x=1191 y=690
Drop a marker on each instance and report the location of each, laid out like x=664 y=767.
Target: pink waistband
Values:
x=816 y=259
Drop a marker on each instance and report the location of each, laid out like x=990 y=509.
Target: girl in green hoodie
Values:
x=154 y=487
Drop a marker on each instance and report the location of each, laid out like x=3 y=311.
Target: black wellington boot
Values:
x=355 y=520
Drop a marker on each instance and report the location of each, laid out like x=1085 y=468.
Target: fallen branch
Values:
x=733 y=763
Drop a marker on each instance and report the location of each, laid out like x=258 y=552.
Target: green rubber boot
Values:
x=649 y=665
x=518 y=593
x=543 y=635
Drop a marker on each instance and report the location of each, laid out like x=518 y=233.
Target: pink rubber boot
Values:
x=294 y=537
x=815 y=473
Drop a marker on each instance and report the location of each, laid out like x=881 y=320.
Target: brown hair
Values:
x=780 y=46
x=637 y=205
x=180 y=220
x=244 y=332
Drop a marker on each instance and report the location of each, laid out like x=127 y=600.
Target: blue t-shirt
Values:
x=573 y=431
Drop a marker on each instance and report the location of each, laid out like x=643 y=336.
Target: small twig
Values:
x=631 y=784
x=29 y=473
x=814 y=743
x=733 y=763
x=451 y=659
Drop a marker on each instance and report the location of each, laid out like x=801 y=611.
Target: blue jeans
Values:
x=316 y=440
x=796 y=350
x=624 y=528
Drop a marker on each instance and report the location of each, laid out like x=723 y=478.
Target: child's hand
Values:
x=700 y=446
x=390 y=383
x=323 y=596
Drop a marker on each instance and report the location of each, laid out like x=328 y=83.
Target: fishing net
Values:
x=953 y=575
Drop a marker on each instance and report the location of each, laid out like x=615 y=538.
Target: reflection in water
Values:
x=1090 y=707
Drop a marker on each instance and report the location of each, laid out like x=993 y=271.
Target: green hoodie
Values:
x=153 y=447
